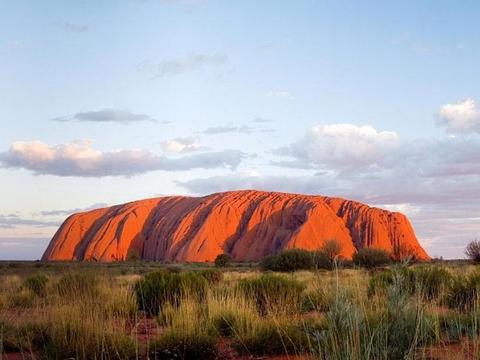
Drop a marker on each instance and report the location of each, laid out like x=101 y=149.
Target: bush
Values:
x=463 y=292
x=273 y=338
x=273 y=293
x=473 y=251
x=213 y=276
x=371 y=258
x=431 y=281
x=321 y=261
x=175 y=344
x=223 y=260
x=36 y=284
x=288 y=261
x=160 y=287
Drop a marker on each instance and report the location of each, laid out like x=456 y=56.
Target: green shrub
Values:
x=463 y=292
x=223 y=260
x=431 y=281
x=22 y=338
x=273 y=338
x=288 y=261
x=273 y=293
x=371 y=258
x=160 y=287
x=37 y=284
x=213 y=276
x=321 y=260
x=316 y=301
x=175 y=344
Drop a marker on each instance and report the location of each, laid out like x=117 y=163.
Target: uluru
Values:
x=248 y=225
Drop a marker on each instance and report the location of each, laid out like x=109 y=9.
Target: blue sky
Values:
x=109 y=101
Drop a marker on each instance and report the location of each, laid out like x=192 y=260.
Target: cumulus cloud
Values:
x=181 y=145
x=460 y=117
x=81 y=159
x=107 y=115
x=339 y=146
x=183 y=64
x=244 y=129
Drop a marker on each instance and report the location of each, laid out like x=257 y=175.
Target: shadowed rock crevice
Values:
x=247 y=225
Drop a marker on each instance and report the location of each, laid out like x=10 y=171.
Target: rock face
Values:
x=248 y=225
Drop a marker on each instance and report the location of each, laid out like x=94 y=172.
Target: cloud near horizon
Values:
x=12 y=221
x=81 y=159
x=107 y=115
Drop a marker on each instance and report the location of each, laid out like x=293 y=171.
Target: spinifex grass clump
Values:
x=274 y=293
x=36 y=284
x=77 y=284
x=80 y=333
x=159 y=288
x=190 y=334
x=270 y=336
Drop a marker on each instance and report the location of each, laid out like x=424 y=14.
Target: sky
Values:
x=105 y=102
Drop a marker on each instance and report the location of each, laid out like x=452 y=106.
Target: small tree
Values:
x=133 y=255
x=332 y=249
x=223 y=260
x=473 y=251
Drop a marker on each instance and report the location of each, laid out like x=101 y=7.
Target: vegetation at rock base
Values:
x=135 y=310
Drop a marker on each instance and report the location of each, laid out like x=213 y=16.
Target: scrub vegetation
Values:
x=140 y=310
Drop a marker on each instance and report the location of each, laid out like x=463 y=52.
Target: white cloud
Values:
x=340 y=146
x=181 y=145
x=183 y=64
x=81 y=159
x=460 y=117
